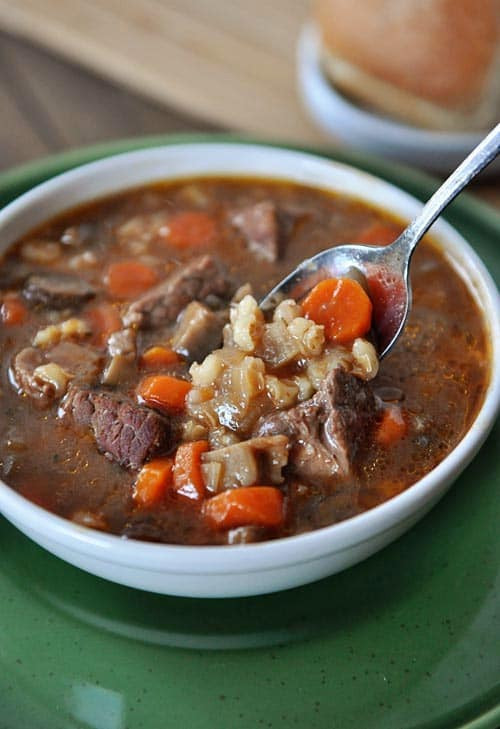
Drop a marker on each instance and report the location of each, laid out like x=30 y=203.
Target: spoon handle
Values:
x=478 y=159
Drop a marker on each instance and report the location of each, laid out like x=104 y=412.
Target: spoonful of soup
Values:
x=352 y=288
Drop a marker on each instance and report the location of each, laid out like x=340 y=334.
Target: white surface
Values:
x=274 y=565
x=343 y=120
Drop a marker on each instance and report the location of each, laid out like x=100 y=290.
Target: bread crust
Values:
x=431 y=62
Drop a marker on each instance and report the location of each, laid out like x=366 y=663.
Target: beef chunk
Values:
x=78 y=403
x=326 y=431
x=199 y=279
x=80 y=364
x=147 y=528
x=259 y=225
x=57 y=290
x=198 y=331
x=165 y=525
x=124 y=431
x=83 y=363
x=22 y=375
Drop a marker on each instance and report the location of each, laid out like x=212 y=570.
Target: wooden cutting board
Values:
x=231 y=62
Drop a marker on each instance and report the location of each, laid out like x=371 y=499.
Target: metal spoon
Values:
x=383 y=270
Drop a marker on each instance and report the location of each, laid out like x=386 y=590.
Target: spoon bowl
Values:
x=384 y=270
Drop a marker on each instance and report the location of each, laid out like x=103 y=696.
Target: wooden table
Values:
x=48 y=104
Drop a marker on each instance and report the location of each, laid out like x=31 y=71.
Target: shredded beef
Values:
x=125 y=432
x=197 y=280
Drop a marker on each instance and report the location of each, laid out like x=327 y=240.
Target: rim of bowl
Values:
x=315 y=171
x=376 y=125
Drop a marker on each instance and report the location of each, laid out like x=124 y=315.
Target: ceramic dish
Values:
x=404 y=640
x=282 y=563
x=343 y=119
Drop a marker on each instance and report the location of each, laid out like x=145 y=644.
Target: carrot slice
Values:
x=164 y=392
x=379 y=233
x=188 y=478
x=245 y=506
x=104 y=319
x=13 y=312
x=158 y=357
x=191 y=229
x=342 y=306
x=152 y=481
x=126 y=279
x=392 y=427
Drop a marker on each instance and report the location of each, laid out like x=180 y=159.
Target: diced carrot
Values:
x=342 y=306
x=126 y=279
x=191 y=229
x=152 y=481
x=188 y=478
x=13 y=312
x=392 y=427
x=158 y=357
x=104 y=319
x=379 y=233
x=245 y=506
x=164 y=392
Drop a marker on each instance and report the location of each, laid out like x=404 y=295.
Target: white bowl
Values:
x=223 y=571
x=340 y=118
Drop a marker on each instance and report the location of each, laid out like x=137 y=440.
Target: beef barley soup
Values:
x=144 y=393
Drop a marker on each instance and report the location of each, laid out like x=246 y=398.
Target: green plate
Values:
x=409 y=638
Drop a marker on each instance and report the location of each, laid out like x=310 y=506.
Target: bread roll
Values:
x=431 y=63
